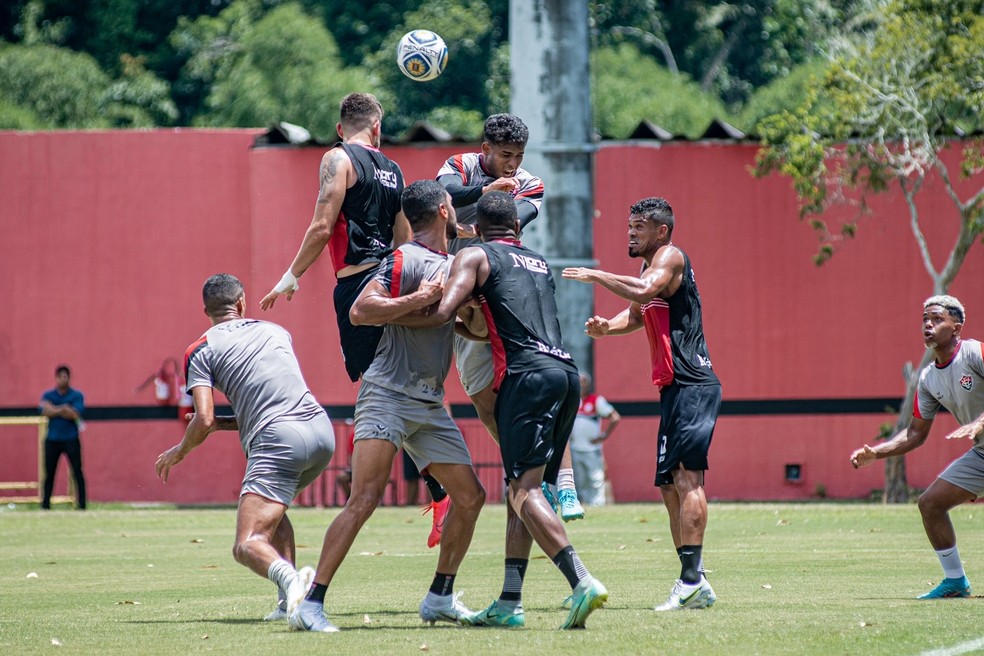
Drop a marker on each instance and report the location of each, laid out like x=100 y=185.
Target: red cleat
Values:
x=440 y=510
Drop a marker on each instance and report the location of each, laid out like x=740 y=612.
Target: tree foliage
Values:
x=894 y=103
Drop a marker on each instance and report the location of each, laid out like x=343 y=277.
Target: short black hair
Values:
x=61 y=368
x=421 y=201
x=654 y=209
x=496 y=209
x=359 y=110
x=502 y=129
x=220 y=292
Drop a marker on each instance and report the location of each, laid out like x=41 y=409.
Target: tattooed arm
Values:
x=337 y=175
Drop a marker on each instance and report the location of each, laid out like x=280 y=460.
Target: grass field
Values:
x=790 y=579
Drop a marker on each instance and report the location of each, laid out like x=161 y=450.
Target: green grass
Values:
x=790 y=579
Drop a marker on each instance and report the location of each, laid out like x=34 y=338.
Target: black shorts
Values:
x=687 y=417
x=358 y=342
x=535 y=413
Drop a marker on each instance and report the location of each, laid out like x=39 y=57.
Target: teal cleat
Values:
x=497 y=615
x=949 y=589
x=549 y=495
x=589 y=596
x=570 y=507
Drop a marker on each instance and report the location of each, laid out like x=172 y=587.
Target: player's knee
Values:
x=472 y=500
x=364 y=503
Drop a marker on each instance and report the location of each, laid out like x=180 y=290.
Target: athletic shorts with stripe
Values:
x=286 y=456
x=688 y=414
x=535 y=413
x=358 y=342
x=967 y=472
x=422 y=428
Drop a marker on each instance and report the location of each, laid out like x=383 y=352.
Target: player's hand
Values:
x=971 y=431
x=509 y=185
x=596 y=327
x=581 y=274
x=431 y=291
x=863 y=457
x=168 y=459
x=287 y=286
x=467 y=230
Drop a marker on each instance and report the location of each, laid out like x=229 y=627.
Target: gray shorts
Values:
x=286 y=456
x=967 y=472
x=423 y=429
x=474 y=362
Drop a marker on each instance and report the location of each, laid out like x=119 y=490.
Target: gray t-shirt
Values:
x=957 y=385
x=412 y=361
x=253 y=363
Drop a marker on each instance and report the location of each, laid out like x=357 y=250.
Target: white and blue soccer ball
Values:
x=421 y=55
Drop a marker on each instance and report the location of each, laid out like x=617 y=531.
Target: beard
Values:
x=451 y=230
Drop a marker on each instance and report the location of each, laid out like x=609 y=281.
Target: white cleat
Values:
x=310 y=616
x=686 y=595
x=278 y=613
x=435 y=608
x=298 y=588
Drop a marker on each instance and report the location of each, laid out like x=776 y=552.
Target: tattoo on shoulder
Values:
x=329 y=171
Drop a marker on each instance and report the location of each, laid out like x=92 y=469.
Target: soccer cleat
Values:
x=567 y=602
x=497 y=615
x=435 y=608
x=949 y=589
x=549 y=495
x=278 y=613
x=440 y=513
x=570 y=507
x=689 y=595
x=310 y=616
x=298 y=588
x=589 y=595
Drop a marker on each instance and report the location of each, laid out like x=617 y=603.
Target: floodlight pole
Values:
x=551 y=92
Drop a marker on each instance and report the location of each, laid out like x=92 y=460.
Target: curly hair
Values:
x=359 y=110
x=654 y=209
x=502 y=129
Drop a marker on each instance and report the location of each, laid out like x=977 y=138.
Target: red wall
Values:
x=107 y=237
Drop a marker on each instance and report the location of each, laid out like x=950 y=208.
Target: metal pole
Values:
x=551 y=92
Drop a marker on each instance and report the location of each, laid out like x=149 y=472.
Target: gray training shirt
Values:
x=412 y=361
x=957 y=385
x=253 y=363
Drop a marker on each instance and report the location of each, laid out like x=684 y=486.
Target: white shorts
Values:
x=286 y=456
x=424 y=429
x=474 y=363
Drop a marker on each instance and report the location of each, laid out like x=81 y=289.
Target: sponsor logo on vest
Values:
x=534 y=264
x=386 y=178
x=967 y=382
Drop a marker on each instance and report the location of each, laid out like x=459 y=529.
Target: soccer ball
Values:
x=421 y=55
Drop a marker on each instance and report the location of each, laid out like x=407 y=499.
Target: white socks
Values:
x=565 y=479
x=950 y=560
x=282 y=573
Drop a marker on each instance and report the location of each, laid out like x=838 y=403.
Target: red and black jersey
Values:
x=675 y=330
x=364 y=230
x=521 y=311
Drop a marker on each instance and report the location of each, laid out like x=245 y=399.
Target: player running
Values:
x=286 y=435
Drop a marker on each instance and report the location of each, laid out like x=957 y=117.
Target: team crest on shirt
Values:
x=967 y=382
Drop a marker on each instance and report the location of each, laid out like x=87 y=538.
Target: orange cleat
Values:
x=440 y=510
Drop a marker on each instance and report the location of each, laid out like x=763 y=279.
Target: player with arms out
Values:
x=664 y=299
x=538 y=392
x=955 y=381
x=286 y=435
x=467 y=177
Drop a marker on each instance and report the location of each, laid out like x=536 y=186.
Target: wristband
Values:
x=287 y=283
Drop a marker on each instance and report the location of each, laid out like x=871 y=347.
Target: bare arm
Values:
x=627 y=321
x=466 y=270
x=903 y=442
x=202 y=424
x=337 y=175
x=401 y=230
x=65 y=411
x=375 y=306
x=659 y=277
x=612 y=420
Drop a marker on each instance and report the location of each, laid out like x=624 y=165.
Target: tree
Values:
x=897 y=99
x=628 y=87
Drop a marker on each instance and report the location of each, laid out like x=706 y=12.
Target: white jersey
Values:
x=587 y=424
x=253 y=363
x=957 y=385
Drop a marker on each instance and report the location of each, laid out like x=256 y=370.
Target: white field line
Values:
x=962 y=648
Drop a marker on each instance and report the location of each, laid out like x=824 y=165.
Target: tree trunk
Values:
x=896 y=486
